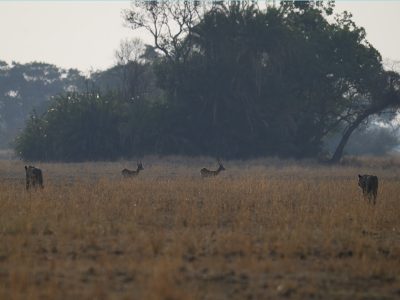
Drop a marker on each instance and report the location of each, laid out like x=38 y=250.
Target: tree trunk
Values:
x=347 y=133
x=343 y=141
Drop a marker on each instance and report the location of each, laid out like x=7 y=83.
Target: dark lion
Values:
x=33 y=177
x=369 y=186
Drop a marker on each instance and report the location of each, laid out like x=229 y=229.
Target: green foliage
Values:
x=89 y=126
x=31 y=143
x=243 y=82
x=24 y=87
x=271 y=82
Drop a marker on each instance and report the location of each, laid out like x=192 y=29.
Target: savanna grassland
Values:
x=263 y=229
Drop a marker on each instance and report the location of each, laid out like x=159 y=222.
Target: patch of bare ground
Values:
x=263 y=229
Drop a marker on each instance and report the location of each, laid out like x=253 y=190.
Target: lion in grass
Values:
x=34 y=177
x=369 y=186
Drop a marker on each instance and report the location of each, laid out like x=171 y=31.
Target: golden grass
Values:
x=275 y=230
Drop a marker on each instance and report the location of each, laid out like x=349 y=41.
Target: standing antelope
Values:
x=208 y=173
x=131 y=173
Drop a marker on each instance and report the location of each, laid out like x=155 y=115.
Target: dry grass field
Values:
x=263 y=229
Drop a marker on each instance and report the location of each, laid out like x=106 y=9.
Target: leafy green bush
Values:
x=87 y=126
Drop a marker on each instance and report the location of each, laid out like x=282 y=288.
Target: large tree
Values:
x=246 y=81
x=24 y=87
x=382 y=96
x=229 y=79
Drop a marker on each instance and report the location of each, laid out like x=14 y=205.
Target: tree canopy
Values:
x=231 y=80
x=24 y=87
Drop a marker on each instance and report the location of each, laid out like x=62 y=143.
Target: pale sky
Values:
x=85 y=34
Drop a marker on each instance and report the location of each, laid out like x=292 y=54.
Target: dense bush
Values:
x=86 y=126
x=243 y=82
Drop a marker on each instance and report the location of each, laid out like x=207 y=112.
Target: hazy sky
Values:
x=85 y=34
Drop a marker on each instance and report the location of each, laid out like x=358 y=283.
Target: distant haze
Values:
x=85 y=34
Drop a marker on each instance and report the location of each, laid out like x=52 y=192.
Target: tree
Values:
x=228 y=79
x=75 y=127
x=256 y=82
x=374 y=140
x=24 y=87
x=133 y=76
x=386 y=95
x=129 y=50
x=168 y=22
x=89 y=126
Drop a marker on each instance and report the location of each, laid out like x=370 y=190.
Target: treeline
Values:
x=24 y=87
x=229 y=80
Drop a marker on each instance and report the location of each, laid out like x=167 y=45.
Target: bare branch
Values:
x=168 y=22
x=129 y=50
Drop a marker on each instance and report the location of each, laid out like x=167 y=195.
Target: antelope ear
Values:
x=359 y=176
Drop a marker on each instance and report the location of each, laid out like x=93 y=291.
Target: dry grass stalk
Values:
x=276 y=230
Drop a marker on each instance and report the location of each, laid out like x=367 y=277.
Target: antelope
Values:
x=369 y=186
x=33 y=176
x=208 y=173
x=132 y=173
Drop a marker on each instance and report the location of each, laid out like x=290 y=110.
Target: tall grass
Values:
x=263 y=229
